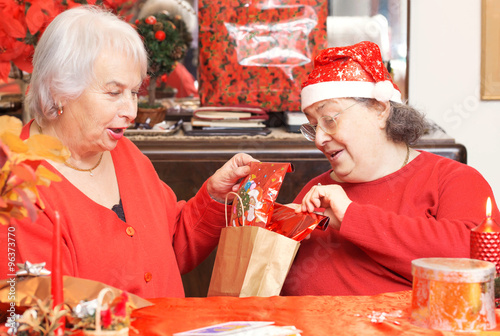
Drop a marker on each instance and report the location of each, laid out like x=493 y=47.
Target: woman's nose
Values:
x=129 y=107
x=321 y=137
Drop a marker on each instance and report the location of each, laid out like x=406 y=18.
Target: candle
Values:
x=453 y=294
x=56 y=277
x=485 y=240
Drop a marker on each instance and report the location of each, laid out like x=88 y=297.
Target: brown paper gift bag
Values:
x=251 y=261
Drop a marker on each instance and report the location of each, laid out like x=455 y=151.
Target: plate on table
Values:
x=164 y=128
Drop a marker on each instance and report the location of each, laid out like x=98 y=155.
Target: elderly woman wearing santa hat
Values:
x=388 y=203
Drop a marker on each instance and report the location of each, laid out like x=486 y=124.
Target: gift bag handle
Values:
x=100 y=298
x=242 y=207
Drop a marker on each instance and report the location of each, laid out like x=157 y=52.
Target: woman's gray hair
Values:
x=63 y=63
x=404 y=124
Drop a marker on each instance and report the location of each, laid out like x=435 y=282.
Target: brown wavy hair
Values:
x=405 y=123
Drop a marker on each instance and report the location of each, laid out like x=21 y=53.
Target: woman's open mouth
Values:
x=333 y=155
x=116 y=133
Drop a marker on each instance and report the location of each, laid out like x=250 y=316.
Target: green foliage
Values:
x=167 y=39
x=41 y=319
x=164 y=54
x=145 y=104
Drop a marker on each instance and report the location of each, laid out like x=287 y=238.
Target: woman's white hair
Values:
x=63 y=63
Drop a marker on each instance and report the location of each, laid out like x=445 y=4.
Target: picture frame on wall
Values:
x=490 y=50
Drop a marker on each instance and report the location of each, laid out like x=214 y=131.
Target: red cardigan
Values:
x=171 y=237
x=425 y=209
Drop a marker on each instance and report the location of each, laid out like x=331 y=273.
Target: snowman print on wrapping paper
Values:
x=253 y=203
x=251 y=198
x=249 y=195
x=257 y=193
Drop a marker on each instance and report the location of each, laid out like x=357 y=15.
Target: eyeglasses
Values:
x=328 y=124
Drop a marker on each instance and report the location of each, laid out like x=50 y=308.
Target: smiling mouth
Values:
x=334 y=154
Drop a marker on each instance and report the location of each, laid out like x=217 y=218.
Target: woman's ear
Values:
x=383 y=110
x=59 y=101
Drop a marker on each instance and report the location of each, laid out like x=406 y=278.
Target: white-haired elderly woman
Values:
x=121 y=224
x=388 y=203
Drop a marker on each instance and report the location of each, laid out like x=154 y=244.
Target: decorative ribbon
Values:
x=85 y=308
x=29 y=269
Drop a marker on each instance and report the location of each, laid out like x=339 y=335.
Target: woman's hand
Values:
x=225 y=179
x=330 y=197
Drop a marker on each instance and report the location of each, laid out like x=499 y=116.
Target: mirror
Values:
x=380 y=21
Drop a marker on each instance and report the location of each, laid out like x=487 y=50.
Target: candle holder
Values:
x=454 y=294
x=485 y=240
x=485 y=245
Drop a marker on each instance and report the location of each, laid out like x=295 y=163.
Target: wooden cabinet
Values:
x=184 y=163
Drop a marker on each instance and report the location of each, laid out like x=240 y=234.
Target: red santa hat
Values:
x=355 y=71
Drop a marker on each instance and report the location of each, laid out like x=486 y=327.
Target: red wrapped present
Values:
x=258 y=53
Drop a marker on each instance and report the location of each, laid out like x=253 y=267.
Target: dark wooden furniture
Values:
x=184 y=163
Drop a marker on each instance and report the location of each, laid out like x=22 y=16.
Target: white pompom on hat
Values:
x=355 y=71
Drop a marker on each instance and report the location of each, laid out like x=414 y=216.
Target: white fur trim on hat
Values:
x=343 y=89
x=383 y=91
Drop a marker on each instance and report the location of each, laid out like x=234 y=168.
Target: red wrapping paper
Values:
x=296 y=226
x=257 y=193
x=255 y=204
x=258 y=53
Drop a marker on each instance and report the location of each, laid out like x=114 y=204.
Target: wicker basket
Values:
x=121 y=332
x=156 y=115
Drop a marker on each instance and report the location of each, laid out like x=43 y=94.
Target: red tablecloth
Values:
x=314 y=315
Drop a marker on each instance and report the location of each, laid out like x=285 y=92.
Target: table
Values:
x=314 y=315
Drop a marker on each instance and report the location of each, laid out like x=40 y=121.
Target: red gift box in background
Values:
x=258 y=53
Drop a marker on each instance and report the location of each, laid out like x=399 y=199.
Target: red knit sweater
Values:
x=170 y=237
x=425 y=209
